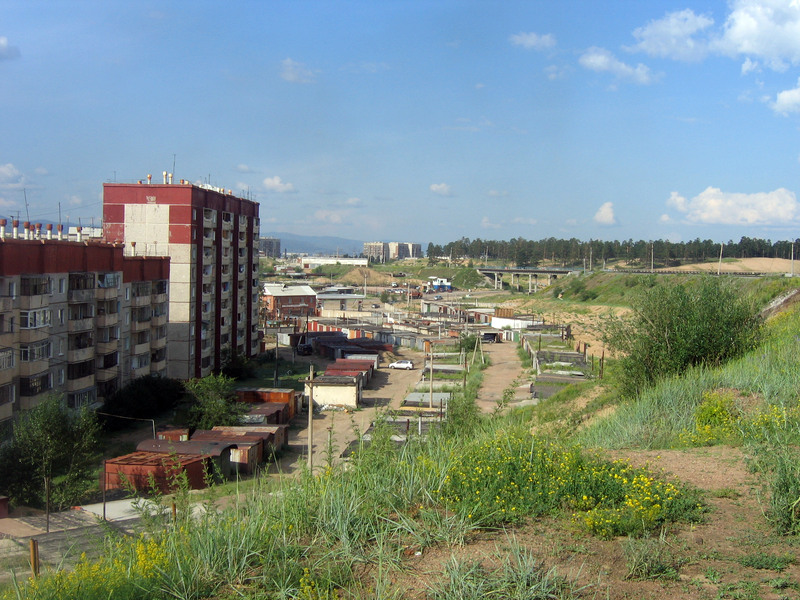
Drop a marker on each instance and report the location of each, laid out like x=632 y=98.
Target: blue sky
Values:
x=415 y=121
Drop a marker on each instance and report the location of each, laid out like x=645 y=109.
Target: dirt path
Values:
x=504 y=369
x=334 y=430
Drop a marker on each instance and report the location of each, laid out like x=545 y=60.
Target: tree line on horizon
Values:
x=531 y=253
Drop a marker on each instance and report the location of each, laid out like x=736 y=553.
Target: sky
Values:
x=414 y=121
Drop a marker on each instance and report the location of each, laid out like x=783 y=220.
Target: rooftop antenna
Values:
x=173 y=164
x=25 y=195
x=59 y=213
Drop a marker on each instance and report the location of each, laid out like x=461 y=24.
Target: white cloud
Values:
x=296 y=72
x=554 y=72
x=533 y=41
x=605 y=214
x=366 y=67
x=603 y=61
x=274 y=184
x=440 y=188
x=7 y=52
x=765 y=29
x=75 y=201
x=525 y=221
x=479 y=86
x=673 y=36
x=715 y=207
x=750 y=66
x=665 y=219
x=787 y=101
x=6 y=203
x=497 y=193
x=353 y=202
x=487 y=224
x=328 y=216
x=10 y=177
x=241 y=168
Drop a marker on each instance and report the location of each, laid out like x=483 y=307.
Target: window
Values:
x=79 y=399
x=140 y=361
x=62 y=285
x=34 y=285
x=141 y=288
x=33 y=386
x=61 y=315
x=33 y=319
x=61 y=377
x=12 y=289
x=6 y=358
x=108 y=280
x=81 y=369
x=108 y=361
x=7 y=394
x=38 y=351
x=80 y=341
x=81 y=281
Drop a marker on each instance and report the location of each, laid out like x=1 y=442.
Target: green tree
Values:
x=214 y=402
x=675 y=327
x=143 y=398
x=50 y=459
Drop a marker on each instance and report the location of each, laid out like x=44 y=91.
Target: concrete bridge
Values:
x=517 y=273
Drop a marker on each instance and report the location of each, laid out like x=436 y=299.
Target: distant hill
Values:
x=306 y=244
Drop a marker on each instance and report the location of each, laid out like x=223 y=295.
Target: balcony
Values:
x=159 y=298
x=27 y=336
x=33 y=302
x=108 y=374
x=141 y=301
x=157 y=367
x=109 y=293
x=140 y=325
x=106 y=320
x=157 y=344
x=7 y=375
x=85 y=295
x=141 y=348
x=80 y=354
x=28 y=368
x=75 y=325
x=76 y=385
x=107 y=346
x=140 y=372
x=158 y=320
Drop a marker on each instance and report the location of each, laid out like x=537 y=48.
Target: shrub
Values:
x=678 y=326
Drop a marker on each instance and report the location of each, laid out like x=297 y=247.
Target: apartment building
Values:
x=376 y=251
x=76 y=318
x=383 y=251
x=211 y=237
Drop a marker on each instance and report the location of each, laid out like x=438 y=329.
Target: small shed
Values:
x=289 y=396
x=142 y=470
x=336 y=390
x=220 y=452
x=247 y=452
x=275 y=413
x=274 y=437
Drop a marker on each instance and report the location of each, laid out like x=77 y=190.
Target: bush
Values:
x=675 y=327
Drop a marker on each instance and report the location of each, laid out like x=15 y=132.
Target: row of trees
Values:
x=525 y=253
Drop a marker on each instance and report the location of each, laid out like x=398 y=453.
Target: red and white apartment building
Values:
x=211 y=237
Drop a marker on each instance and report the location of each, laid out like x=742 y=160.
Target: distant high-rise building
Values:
x=376 y=251
x=211 y=237
x=270 y=247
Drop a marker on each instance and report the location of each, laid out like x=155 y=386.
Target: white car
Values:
x=402 y=364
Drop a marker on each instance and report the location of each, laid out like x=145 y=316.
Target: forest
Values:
x=564 y=252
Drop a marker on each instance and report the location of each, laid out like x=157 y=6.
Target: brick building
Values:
x=77 y=318
x=211 y=237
